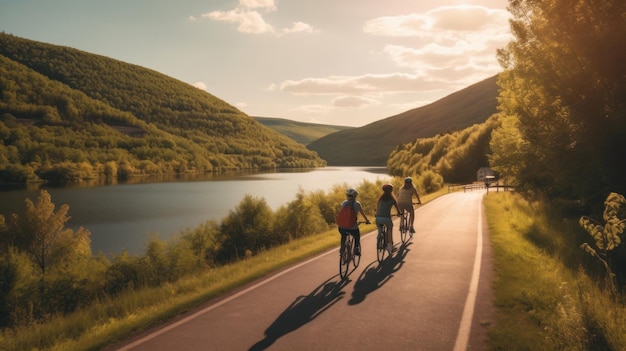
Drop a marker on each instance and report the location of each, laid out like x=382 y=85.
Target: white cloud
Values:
x=354 y=101
x=255 y=4
x=200 y=85
x=459 y=42
x=372 y=85
x=251 y=21
x=300 y=27
x=462 y=18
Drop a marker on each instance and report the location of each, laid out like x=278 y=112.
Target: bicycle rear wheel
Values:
x=381 y=245
x=344 y=257
x=404 y=227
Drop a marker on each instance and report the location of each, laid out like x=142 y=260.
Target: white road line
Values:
x=462 y=337
x=216 y=305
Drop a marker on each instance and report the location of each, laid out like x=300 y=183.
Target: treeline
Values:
x=454 y=157
x=563 y=98
x=563 y=119
x=66 y=114
x=47 y=269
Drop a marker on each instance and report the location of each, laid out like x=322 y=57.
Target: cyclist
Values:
x=386 y=201
x=405 y=200
x=350 y=200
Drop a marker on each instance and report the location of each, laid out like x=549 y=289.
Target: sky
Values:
x=338 y=62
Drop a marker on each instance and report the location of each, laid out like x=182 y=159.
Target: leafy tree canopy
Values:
x=565 y=83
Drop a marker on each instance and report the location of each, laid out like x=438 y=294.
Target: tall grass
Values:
x=544 y=298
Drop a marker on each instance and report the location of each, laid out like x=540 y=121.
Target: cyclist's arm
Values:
x=367 y=221
x=419 y=201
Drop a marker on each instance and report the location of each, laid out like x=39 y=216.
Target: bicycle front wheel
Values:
x=344 y=258
x=404 y=227
x=356 y=259
x=380 y=246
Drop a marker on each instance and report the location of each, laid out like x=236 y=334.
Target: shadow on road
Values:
x=376 y=275
x=303 y=310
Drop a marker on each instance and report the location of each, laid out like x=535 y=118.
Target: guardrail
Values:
x=478 y=186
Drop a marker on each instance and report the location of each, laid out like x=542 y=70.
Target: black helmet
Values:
x=351 y=192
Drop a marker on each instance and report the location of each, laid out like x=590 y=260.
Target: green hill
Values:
x=371 y=145
x=302 y=132
x=65 y=113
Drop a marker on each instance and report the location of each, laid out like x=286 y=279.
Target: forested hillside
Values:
x=454 y=156
x=302 y=132
x=371 y=145
x=66 y=115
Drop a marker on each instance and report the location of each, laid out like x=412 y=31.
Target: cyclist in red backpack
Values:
x=353 y=227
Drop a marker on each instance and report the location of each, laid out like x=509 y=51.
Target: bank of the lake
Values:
x=124 y=215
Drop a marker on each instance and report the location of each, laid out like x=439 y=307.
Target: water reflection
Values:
x=123 y=216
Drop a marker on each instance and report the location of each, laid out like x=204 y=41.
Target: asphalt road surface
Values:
x=434 y=293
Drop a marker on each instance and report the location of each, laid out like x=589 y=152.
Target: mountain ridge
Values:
x=72 y=97
x=459 y=110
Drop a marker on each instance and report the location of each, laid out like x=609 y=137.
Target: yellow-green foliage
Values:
x=67 y=115
x=563 y=81
x=542 y=302
x=455 y=156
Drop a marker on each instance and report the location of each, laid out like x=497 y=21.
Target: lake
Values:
x=123 y=216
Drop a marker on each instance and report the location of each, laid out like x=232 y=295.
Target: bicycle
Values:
x=381 y=242
x=348 y=255
x=404 y=227
x=405 y=232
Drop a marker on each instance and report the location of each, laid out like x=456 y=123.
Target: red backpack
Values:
x=346 y=218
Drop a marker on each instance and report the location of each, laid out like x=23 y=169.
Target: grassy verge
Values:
x=543 y=303
x=110 y=321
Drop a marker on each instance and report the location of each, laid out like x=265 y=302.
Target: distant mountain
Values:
x=371 y=145
x=59 y=105
x=302 y=132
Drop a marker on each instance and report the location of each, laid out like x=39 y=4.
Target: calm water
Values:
x=124 y=216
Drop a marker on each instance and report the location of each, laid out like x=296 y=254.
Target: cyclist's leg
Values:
x=411 y=218
x=381 y=228
x=356 y=233
x=388 y=225
x=403 y=207
x=390 y=232
x=343 y=233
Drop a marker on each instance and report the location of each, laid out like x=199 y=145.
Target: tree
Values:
x=246 y=228
x=299 y=218
x=565 y=80
x=508 y=149
x=41 y=233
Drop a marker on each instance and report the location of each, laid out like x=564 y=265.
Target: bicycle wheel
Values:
x=381 y=245
x=404 y=227
x=344 y=257
x=356 y=259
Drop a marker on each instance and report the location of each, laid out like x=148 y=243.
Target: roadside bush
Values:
x=246 y=228
x=326 y=205
x=205 y=242
x=430 y=182
x=301 y=217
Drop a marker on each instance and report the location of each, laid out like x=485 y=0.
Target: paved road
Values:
x=433 y=294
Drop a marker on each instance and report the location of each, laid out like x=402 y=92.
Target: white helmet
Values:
x=351 y=192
